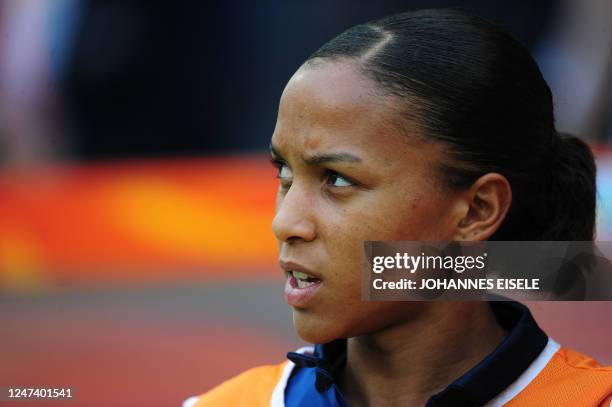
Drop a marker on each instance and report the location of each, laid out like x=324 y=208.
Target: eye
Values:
x=337 y=180
x=285 y=174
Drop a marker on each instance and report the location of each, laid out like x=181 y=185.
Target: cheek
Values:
x=414 y=215
x=384 y=218
x=343 y=235
x=341 y=311
x=384 y=215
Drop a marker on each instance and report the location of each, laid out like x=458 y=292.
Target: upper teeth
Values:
x=301 y=276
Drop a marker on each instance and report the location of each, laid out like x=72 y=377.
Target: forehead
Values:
x=332 y=103
x=331 y=86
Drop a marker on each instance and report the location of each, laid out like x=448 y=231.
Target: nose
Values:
x=294 y=217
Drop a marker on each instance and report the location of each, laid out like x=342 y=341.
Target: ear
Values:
x=486 y=204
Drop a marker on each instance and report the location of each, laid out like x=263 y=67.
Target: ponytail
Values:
x=554 y=200
x=572 y=192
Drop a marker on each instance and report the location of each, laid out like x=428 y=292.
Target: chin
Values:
x=313 y=328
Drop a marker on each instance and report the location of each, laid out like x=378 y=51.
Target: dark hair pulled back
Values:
x=471 y=86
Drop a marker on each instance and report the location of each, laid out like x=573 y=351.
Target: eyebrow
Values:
x=322 y=158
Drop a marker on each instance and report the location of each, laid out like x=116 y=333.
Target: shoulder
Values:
x=569 y=378
x=575 y=367
x=253 y=387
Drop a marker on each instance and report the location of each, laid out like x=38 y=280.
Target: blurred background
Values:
x=137 y=264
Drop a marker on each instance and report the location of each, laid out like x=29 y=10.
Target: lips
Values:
x=302 y=284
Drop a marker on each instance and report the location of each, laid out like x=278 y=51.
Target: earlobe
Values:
x=488 y=201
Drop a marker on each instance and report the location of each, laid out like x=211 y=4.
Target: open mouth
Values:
x=298 y=279
x=301 y=288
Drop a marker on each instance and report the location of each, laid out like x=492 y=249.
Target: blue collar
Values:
x=525 y=341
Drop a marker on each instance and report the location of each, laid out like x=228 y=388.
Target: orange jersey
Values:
x=527 y=370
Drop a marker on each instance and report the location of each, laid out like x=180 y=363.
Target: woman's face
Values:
x=348 y=173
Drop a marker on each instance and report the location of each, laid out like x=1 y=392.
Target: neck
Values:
x=406 y=363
